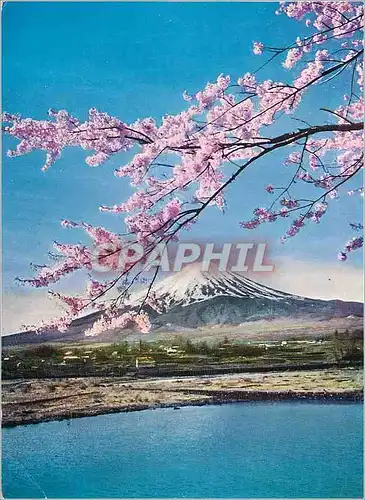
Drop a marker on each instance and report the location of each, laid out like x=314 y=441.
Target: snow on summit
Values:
x=192 y=285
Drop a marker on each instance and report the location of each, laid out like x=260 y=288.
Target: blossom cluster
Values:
x=119 y=320
x=353 y=244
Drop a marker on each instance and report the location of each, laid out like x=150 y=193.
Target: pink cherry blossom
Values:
x=289 y=203
x=96 y=288
x=342 y=256
x=257 y=48
x=119 y=321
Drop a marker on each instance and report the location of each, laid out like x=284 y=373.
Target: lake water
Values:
x=247 y=450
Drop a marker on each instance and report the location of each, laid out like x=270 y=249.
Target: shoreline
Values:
x=39 y=400
x=215 y=398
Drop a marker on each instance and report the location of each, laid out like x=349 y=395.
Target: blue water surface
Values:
x=243 y=450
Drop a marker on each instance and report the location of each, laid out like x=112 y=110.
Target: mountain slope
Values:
x=193 y=298
x=191 y=286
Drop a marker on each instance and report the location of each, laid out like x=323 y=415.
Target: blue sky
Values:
x=134 y=60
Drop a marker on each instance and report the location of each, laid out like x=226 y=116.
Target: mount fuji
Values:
x=191 y=285
x=193 y=300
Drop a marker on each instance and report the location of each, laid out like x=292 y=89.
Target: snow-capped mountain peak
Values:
x=192 y=285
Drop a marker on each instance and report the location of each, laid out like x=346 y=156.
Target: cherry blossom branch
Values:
x=184 y=163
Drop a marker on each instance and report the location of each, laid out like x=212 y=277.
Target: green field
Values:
x=49 y=360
